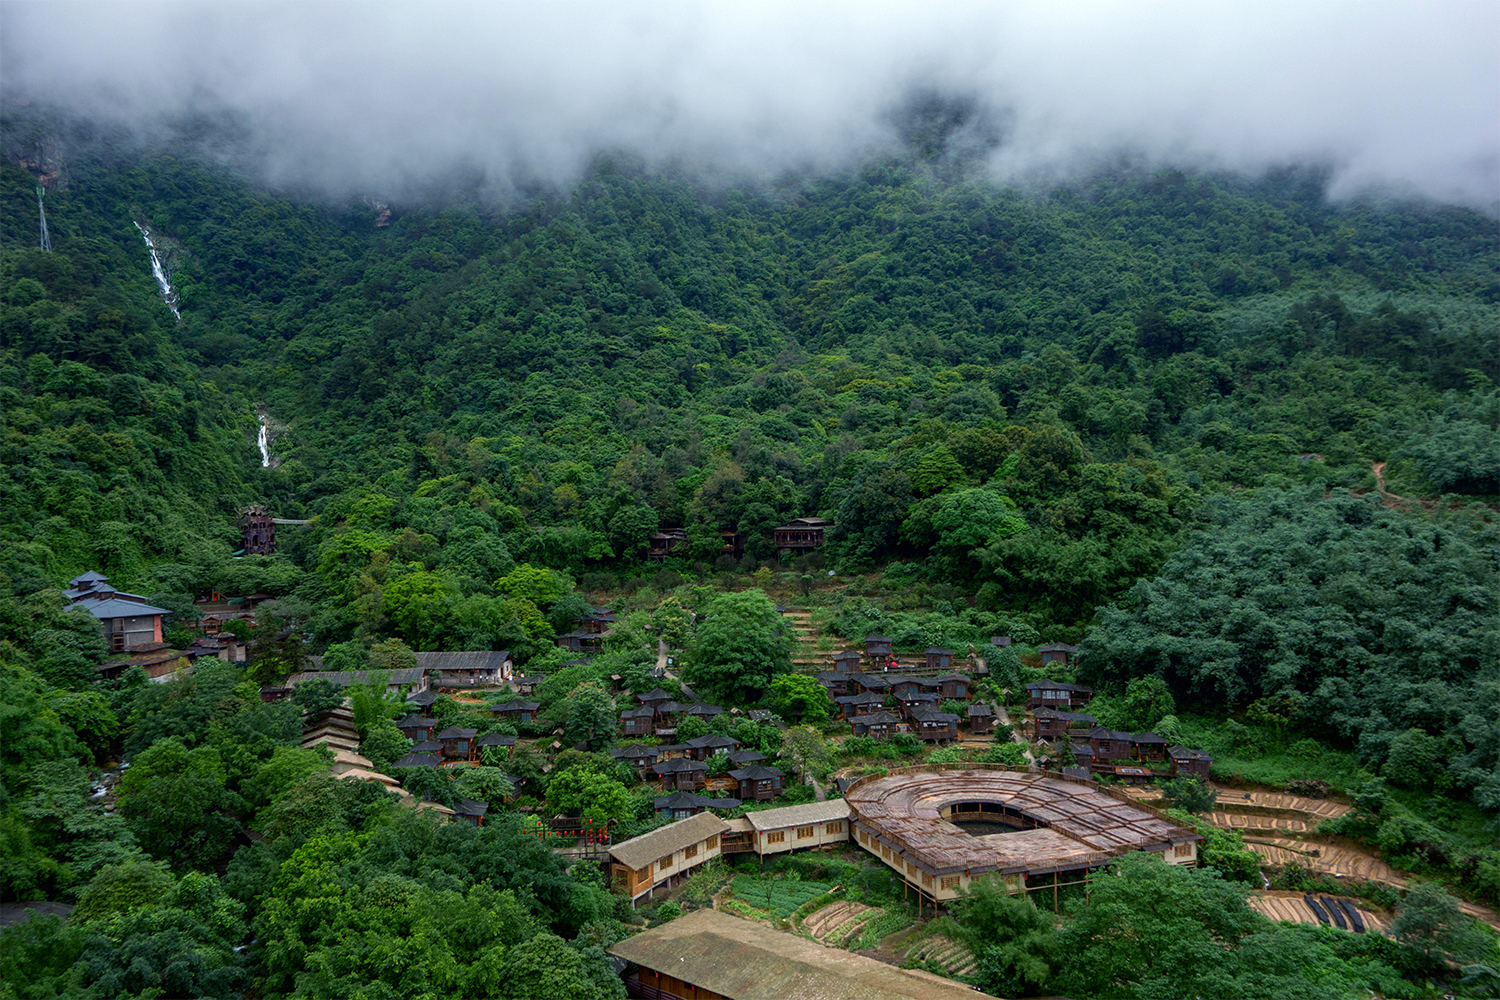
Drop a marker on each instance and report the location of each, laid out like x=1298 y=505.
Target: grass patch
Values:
x=779 y=897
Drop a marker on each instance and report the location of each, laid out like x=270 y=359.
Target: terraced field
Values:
x=839 y=924
x=943 y=953
x=1290 y=906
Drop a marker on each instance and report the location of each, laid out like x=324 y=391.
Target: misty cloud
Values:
x=376 y=98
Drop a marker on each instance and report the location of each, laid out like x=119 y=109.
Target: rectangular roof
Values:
x=812 y=812
x=638 y=852
x=480 y=660
x=344 y=678
x=752 y=961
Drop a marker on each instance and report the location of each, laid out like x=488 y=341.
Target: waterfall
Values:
x=160 y=273
x=264 y=440
x=46 y=236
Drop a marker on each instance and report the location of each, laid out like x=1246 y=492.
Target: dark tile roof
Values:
x=470 y=807
x=938 y=651
x=633 y=751
x=496 y=740
x=516 y=706
x=756 y=772
x=1180 y=752
x=419 y=760
x=427 y=746
x=677 y=764
x=1148 y=738
x=422 y=698
x=415 y=722
x=746 y=756
x=976 y=710
x=457 y=733
x=1059 y=686
x=878 y=719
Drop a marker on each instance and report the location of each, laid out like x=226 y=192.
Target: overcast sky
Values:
x=371 y=97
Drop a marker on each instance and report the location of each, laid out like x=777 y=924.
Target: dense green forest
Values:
x=1218 y=430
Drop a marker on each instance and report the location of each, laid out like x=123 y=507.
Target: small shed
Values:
x=704 y=747
x=581 y=641
x=415 y=727
x=639 y=757
x=856 y=705
x=878 y=647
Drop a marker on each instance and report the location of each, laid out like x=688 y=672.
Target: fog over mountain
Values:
x=379 y=97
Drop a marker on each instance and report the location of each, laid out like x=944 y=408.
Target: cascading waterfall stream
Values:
x=160 y=273
x=264 y=440
x=42 y=211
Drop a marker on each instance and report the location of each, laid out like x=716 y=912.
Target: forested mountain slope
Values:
x=1138 y=409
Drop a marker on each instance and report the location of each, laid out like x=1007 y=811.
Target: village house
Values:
x=580 y=641
x=516 y=711
x=981 y=719
x=939 y=658
x=681 y=805
x=915 y=699
x=125 y=620
x=846 y=661
x=495 y=742
x=835 y=683
x=1056 y=652
x=1052 y=724
x=470 y=811
x=856 y=705
x=1186 y=760
x=422 y=701
x=419 y=759
x=665 y=856
x=802 y=534
x=598 y=620
x=639 y=757
x=795 y=828
x=415 y=727
x=934 y=726
x=708 y=955
x=953 y=686
x=758 y=782
x=638 y=721
x=1000 y=641
x=468 y=669
x=704 y=712
x=655 y=699
x=1056 y=694
x=704 y=747
x=681 y=774
x=458 y=743
x=1109 y=746
x=396 y=681
x=160 y=662
x=877 y=725
x=878 y=649
x=662 y=543
x=1149 y=746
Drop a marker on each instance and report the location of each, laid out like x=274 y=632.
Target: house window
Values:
x=711 y=843
x=664 y=863
x=886 y=850
x=927 y=880
x=911 y=869
x=641 y=874
x=803 y=832
x=776 y=837
x=834 y=827
x=949 y=882
x=690 y=851
x=1103 y=746
x=1182 y=851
